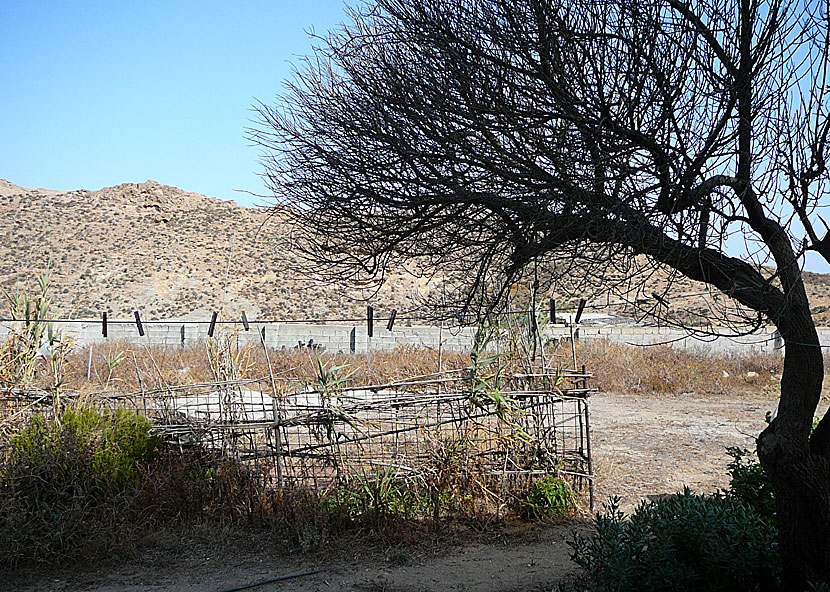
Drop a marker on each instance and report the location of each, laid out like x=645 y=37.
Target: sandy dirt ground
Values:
x=643 y=447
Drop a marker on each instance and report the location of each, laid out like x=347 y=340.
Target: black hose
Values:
x=288 y=577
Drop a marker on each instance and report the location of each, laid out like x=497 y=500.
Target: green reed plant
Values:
x=549 y=497
x=21 y=353
x=111 y=362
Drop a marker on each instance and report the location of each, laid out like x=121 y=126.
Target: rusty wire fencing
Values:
x=434 y=432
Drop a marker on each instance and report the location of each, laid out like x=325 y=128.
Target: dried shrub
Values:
x=195 y=485
x=663 y=369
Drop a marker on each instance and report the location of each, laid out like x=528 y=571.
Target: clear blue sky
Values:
x=99 y=93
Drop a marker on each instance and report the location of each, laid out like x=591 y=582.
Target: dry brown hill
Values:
x=172 y=254
x=165 y=252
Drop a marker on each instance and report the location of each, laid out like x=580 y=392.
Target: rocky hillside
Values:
x=164 y=252
x=172 y=254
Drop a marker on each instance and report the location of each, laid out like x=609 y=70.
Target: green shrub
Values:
x=62 y=483
x=748 y=483
x=547 y=498
x=375 y=501
x=685 y=542
x=114 y=443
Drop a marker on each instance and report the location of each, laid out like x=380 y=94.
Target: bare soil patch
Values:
x=643 y=446
x=654 y=445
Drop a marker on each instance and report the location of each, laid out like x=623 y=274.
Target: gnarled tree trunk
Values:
x=798 y=466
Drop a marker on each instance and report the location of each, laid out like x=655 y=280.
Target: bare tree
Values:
x=489 y=136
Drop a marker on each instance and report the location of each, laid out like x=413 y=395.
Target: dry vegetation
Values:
x=117 y=365
x=616 y=368
x=78 y=479
x=665 y=370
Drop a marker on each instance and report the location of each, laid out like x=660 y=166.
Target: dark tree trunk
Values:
x=800 y=475
x=802 y=493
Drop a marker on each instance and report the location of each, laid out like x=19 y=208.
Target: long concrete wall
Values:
x=354 y=338
x=335 y=338
x=764 y=341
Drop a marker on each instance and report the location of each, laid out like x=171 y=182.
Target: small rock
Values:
x=751 y=374
x=725 y=374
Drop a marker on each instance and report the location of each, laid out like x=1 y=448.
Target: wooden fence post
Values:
x=138 y=324
x=212 y=326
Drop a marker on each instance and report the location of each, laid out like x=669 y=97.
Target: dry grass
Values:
x=116 y=366
x=662 y=369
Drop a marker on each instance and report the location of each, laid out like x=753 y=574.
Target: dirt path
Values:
x=643 y=446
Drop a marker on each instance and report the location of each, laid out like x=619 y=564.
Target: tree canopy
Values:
x=484 y=136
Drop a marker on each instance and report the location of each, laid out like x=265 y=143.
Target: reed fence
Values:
x=501 y=431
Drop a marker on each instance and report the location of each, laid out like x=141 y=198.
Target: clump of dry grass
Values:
x=117 y=366
x=663 y=369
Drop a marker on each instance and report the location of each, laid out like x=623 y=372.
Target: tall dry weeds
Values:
x=616 y=368
x=663 y=369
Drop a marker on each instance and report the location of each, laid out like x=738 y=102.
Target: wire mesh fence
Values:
x=421 y=430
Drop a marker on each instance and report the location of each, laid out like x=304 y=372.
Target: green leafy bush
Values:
x=113 y=442
x=685 y=542
x=547 y=498
x=748 y=483
x=63 y=480
x=375 y=501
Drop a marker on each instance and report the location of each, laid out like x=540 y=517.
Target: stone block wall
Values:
x=354 y=338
